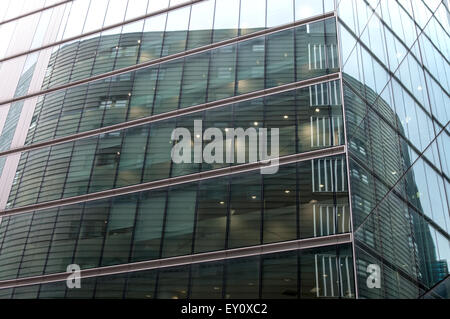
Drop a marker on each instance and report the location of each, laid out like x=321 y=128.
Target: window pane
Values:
x=144 y=86
x=226 y=19
x=242 y=278
x=64 y=239
x=279 y=276
x=141 y=285
x=168 y=87
x=222 y=73
x=207 y=281
x=176 y=31
x=279 y=12
x=253 y=16
x=148 y=229
x=307 y=8
x=173 y=283
x=195 y=80
x=250 y=66
x=91 y=235
x=132 y=156
x=280 y=206
x=245 y=211
x=119 y=230
x=106 y=161
x=158 y=160
x=201 y=24
x=152 y=37
x=280 y=58
x=179 y=222
x=110 y=287
x=211 y=218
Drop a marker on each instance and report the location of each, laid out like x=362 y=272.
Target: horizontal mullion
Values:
x=300 y=244
x=113 y=26
x=34 y=11
x=171 y=57
x=175 y=113
x=172 y=181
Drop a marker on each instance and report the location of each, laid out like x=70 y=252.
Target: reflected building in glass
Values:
x=359 y=91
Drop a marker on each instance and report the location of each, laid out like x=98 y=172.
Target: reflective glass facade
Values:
x=358 y=89
x=222 y=213
x=396 y=98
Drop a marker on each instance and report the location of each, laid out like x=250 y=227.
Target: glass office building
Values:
x=93 y=89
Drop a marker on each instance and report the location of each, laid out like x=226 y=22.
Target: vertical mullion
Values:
x=50 y=244
x=194 y=230
x=43 y=174
x=316 y=261
x=124 y=133
x=25 y=244
x=163 y=228
x=21 y=177
x=314 y=220
x=324 y=279
x=82 y=209
x=88 y=184
x=5 y=233
x=318 y=131
x=133 y=234
x=299 y=274
x=331 y=275
x=319 y=173
x=347 y=270
x=184 y=62
x=324 y=131
x=339 y=270
x=328 y=220
x=321 y=219
x=74 y=143
x=159 y=65
x=147 y=145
